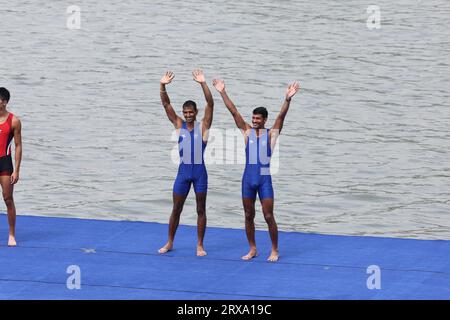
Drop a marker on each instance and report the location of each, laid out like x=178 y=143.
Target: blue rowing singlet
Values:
x=192 y=167
x=257 y=177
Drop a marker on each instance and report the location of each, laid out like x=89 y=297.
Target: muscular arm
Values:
x=17 y=132
x=241 y=124
x=290 y=92
x=173 y=117
x=208 y=117
x=279 y=121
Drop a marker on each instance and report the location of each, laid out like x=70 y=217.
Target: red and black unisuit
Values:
x=6 y=135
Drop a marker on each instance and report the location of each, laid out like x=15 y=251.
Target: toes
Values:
x=163 y=250
x=201 y=253
x=250 y=256
x=12 y=242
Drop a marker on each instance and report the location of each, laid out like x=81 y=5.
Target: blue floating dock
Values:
x=119 y=260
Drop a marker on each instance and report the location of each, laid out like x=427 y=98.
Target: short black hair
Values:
x=262 y=111
x=191 y=104
x=4 y=94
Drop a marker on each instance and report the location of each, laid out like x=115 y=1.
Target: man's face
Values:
x=258 y=121
x=189 y=114
x=3 y=103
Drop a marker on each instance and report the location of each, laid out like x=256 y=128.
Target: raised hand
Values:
x=219 y=85
x=167 y=78
x=198 y=75
x=292 y=90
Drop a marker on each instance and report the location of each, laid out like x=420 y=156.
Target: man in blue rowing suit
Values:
x=259 y=143
x=192 y=141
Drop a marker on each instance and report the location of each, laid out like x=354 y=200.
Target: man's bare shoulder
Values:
x=15 y=121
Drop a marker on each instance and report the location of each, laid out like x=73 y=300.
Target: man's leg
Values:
x=8 y=189
x=249 y=209
x=178 y=203
x=267 y=207
x=201 y=222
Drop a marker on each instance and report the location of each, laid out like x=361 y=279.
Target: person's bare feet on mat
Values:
x=274 y=256
x=201 y=251
x=166 y=248
x=12 y=242
x=252 y=254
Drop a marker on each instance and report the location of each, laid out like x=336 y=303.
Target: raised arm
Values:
x=220 y=86
x=290 y=92
x=207 y=118
x=173 y=117
x=17 y=133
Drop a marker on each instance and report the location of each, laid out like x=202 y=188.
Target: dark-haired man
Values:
x=259 y=143
x=193 y=137
x=10 y=127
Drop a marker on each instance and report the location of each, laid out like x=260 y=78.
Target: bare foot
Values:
x=166 y=248
x=253 y=253
x=201 y=251
x=12 y=241
x=274 y=256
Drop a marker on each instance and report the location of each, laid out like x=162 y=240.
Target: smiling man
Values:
x=193 y=137
x=259 y=143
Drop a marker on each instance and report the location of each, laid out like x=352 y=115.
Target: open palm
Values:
x=167 y=78
x=292 y=89
x=219 y=85
x=198 y=75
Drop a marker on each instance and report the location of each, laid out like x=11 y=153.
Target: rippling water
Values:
x=365 y=148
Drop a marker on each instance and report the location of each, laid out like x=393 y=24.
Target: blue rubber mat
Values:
x=119 y=260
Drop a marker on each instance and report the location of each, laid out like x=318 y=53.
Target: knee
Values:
x=177 y=210
x=9 y=201
x=201 y=211
x=268 y=216
x=249 y=215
